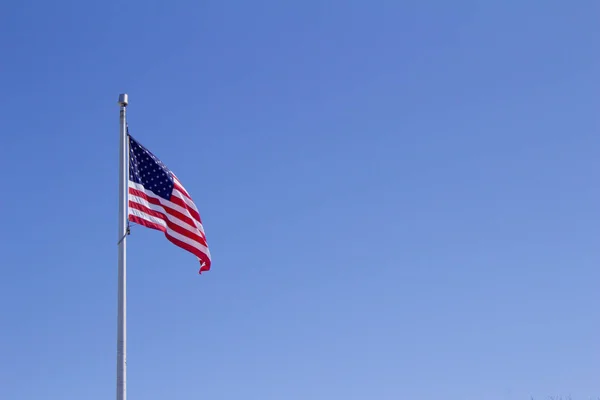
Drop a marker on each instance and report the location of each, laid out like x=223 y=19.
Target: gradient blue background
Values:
x=401 y=199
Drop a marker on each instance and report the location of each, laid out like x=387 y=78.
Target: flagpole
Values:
x=123 y=231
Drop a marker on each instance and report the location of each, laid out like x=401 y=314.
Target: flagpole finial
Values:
x=123 y=99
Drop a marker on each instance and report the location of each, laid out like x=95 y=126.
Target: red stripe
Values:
x=205 y=260
x=168 y=210
x=205 y=266
x=182 y=231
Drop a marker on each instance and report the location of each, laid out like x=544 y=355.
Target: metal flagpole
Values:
x=123 y=231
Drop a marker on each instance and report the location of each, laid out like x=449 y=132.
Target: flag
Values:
x=158 y=200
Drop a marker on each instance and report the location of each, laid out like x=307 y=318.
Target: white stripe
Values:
x=160 y=209
x=171 y=232
x=166 y=203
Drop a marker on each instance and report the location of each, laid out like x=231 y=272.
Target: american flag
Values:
x=159 y=201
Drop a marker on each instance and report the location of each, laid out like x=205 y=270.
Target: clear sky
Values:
x=401 y=199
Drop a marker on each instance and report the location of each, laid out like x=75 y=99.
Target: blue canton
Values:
x=148 y=171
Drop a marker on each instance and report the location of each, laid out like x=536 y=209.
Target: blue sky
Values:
x=401 y=199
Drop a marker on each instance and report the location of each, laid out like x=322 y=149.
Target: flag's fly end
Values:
x=204 y=266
